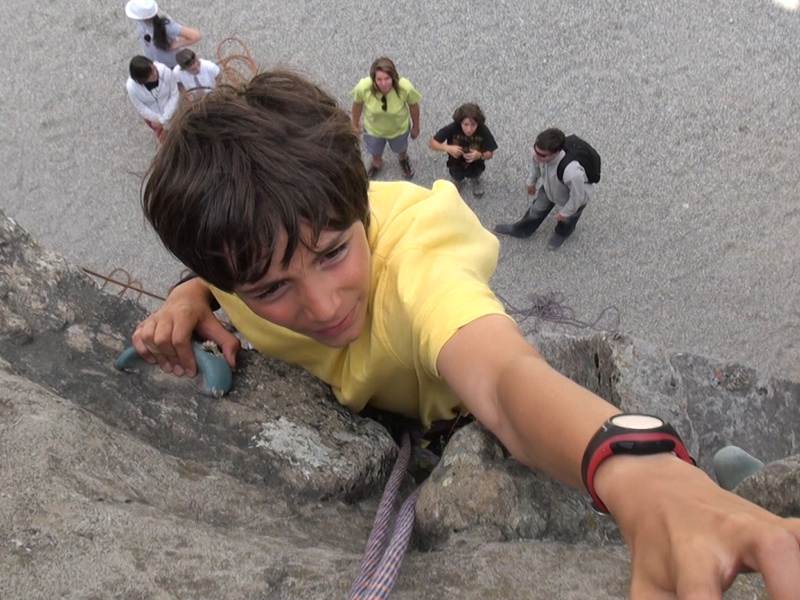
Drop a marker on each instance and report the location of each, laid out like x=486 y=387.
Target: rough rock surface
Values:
x=278 y=425
x=776 y=487
x=136 y=486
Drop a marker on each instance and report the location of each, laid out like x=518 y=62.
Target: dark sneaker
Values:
x=516 y=230
x=372 y=171
x=556 y=240
x=477 y=187
x=405 y=164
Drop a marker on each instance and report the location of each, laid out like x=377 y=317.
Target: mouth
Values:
x=338 y=327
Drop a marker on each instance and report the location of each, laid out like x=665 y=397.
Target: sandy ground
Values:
x=693 y=106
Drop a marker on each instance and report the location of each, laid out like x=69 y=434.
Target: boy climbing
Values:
x=382 y=291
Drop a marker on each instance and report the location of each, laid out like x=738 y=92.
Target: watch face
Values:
x=641 y=422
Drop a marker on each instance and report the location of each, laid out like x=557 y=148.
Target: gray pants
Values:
x=538 y=211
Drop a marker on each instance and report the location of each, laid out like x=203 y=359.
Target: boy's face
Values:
x=543 y=156
x=324 y=291
x=193 y=67
x=469 y=126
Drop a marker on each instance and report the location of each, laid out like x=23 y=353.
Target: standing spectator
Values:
x=468 y=144
x=565 y=169
x=195 y=76
x=386 y=101
x=153 y=91
x=160 y=36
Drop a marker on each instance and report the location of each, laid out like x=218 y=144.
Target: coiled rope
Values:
x=235 y=61
x=551 y=307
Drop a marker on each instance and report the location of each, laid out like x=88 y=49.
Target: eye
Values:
x=272 y=292
x=336 y=253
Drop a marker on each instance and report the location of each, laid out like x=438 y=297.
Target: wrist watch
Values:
x=628 y=433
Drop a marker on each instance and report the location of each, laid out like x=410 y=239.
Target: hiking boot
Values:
x=524 y=227
x=477 y=187
x=555 y=241
x=372 y=171
x=405 y=165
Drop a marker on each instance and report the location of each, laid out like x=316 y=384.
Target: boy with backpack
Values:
x=565 y=169
x=381 y=290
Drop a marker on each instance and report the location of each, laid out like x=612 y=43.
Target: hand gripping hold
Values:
x=217 y=376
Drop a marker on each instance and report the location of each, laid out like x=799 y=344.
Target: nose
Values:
x=320 y=302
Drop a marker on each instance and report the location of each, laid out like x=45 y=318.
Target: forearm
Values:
x=545 y=419
x=194 y=290
x=355 y=114
x=437 y=145
x=577 y=198
x=413 y=110
x=171 y=107
x=533 y=174
x=145 y=112
x=187 y=37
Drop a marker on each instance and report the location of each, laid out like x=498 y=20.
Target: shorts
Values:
x=375 y=145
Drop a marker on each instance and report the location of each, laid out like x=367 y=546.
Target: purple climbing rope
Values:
x=381 y=562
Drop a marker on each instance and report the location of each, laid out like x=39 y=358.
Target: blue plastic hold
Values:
x=217 y=376
x=732 y=465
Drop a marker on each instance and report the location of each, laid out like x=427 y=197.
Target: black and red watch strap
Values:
x=608 y=442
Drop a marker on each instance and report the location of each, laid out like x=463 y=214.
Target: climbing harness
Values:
x=382 y=558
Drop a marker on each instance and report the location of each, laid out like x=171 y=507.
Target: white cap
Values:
x=141 y=9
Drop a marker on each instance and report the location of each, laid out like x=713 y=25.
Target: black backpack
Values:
x=582 y=151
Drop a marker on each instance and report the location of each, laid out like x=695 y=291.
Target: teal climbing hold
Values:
x=216 y=374
x=732 y=465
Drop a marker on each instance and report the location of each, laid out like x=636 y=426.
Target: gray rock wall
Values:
x=133 y=485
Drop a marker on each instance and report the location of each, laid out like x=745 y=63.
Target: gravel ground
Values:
x=692 y=237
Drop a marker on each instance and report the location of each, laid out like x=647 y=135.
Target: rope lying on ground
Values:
x=381 y=562
x=551 y=307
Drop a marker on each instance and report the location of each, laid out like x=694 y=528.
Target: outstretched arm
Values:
x=686 y=534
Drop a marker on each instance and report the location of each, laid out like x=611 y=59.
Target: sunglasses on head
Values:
x=383 y=103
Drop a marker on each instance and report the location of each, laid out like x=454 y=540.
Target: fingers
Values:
x=695 y=576
x=165 y=338
x=163 y=348
x=211 y=329
x=643 y=588
x=699 y=576
x=776 y=554
x=144 y=332
x=181 y=345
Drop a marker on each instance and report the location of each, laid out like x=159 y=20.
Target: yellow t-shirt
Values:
x=392 y=122
x=431 y=263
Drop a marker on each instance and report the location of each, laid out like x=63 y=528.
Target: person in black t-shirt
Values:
x=468 y=144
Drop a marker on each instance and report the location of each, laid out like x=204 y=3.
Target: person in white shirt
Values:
x=153 y=91
x=195 y=76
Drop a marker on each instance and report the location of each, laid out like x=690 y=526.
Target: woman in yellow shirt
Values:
x=390 y=106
